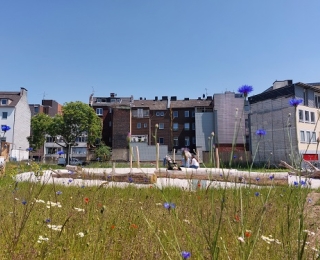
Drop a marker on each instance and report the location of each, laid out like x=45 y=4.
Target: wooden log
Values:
x=137 y=178
x=225 y=175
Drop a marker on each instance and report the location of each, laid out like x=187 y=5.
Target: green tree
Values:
x=40 y=125
x=78 y=119
x=103 y=152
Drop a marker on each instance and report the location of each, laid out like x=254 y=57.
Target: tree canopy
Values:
x=77 y=119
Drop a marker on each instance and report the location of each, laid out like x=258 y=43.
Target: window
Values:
x=305 y=97
x=50 y=139
x=51 y=150
x=98 y=100
x=193 y=140
x=81 y=139
x=110 y=110
x=317 y=101
x=4 y=115
x=193 y=126
x=160 y=113
x=161 y=125
x=110 y=123
x=312 y=117
x=145 y=125
x=161 y=140
x=138 y=125
x=99 y=111
x=175 y=126
x=187 y=141
x=140 y=113
x=308 y=136
x=300 y=115
x=306 y=116
x=36 y=110
x=186 y=113
x=4 y=102
x=193 y=113
x=175 y=114
x=175 y=141
x=302 y=136
x=313 y=138
x=186 y=126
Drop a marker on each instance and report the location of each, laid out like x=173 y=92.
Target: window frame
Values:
x=6 y=115
x=301 y=115
x=175 y=141
x=306 y=116
x=139 y=125
x=161 y=126
x=186 y=128
x=99 y=109
x=302 y=137
x=187 y=141
x=175 y=114
x=312 y=117
x=186 y=113
x=4 y=101
x=161 y=140
x=175 y=128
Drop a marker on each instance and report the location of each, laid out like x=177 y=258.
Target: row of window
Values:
x=81 y=139
x=176 y=141
x=141 y=113
x=308 y=137
x=306 y=116
x=175 y=126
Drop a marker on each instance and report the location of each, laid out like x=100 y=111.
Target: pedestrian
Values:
x=194 y=162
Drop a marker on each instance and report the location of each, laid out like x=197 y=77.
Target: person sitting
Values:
x=194 y=163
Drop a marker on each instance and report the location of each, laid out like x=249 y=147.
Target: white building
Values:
x=15 y=113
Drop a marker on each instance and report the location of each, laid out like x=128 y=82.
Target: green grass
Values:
x=132 y=223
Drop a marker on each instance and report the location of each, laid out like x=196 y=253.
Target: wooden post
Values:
x=138 y=157
x=157 y=156
x=130 y=150
x=174 y=155
x=113 y=167
x=217 y=158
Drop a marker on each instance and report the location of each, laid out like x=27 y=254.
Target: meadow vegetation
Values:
x=67 y=222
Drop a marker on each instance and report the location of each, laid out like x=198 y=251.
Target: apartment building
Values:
x=292 y=131
x=15 y=113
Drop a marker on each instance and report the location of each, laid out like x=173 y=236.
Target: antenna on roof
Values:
x=206 y=91
x=44 y=94
x=92 y=90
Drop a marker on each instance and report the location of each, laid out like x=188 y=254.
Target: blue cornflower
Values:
x=59 y=192
x=48 y=220
x=261 y=132
x=5 y=128
x=245 y=90
x=24 y=202
x=295 y=102
x=130 y=180
x=303 y=183
x=256 y=194
x=295 y=183
x=271 y=177
x=257 y=179
x=185 y=254
x=169 y=205
x=70 y=180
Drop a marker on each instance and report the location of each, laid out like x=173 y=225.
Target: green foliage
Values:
x=77 y=118
x=40 y=125
x=103 y=152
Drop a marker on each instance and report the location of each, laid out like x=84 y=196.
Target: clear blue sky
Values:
x=62 y=50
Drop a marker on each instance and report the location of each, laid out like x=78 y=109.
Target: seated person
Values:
x=194 y=163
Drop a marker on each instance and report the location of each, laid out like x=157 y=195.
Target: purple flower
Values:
x=59 y=192
x=303 y=183
x=24 y=202
x=295 y=102
x=70 y=180
x=169 y=205
x=5 y=128
x=295 y=183
x=48 y=220
x=245 y=90
x=257 y=179
x=185 y=254
x=261 y=132
x=271 y=177
x=257 y=194
x=130 y=180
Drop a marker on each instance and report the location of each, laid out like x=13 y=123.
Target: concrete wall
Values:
x=147 y=153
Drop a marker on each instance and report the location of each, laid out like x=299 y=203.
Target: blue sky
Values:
x=63 y=50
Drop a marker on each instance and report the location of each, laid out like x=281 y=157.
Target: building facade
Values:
x=15 y=113
x=291 y=131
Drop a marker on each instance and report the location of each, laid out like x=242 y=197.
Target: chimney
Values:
x=156 y=98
